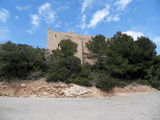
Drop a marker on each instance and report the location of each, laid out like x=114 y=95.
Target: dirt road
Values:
x=137 y=107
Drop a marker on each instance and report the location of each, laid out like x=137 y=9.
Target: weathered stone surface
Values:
x=54 y=38
x=76 y=90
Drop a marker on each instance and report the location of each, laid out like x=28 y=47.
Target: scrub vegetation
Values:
x=119 y=61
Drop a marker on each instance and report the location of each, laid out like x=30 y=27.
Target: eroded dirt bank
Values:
x=40 y=88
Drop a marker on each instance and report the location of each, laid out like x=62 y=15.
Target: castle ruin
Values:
x=54 y=38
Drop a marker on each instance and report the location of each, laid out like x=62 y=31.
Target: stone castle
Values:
x=54 y=38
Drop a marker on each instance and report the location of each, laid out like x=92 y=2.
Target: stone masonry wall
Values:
x=54 y=38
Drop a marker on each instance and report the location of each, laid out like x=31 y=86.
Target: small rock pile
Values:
x=40 y=88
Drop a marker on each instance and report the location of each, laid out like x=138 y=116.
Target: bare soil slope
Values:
x=40 y=88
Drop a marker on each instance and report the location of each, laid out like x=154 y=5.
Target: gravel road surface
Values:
x=136 y=107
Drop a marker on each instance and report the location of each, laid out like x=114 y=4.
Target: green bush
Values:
x=153 y=76
x=155 y=84
x=57 y=73
x=86 y=70
x=82 y=81
x=64 y=69
x=84 y=77
x=142 y=82
x=107 y=83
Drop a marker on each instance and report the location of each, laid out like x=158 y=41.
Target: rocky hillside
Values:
x=40 y=88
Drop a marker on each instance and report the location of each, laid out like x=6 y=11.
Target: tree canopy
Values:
x=66 y=48
x=17 y=60
x=119 y=61
x=97 y=46
x=66 y=65
x=125 y=59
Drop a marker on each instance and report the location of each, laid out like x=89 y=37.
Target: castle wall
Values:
x=54 y=38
